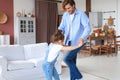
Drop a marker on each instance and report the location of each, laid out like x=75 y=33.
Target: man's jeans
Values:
x=70 y=60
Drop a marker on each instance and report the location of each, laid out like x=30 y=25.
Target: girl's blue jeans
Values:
x=50 y=71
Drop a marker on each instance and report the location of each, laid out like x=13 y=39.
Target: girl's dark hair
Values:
x=65 y=2
x=57 y=36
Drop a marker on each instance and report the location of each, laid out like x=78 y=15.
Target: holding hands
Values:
x=81 y=42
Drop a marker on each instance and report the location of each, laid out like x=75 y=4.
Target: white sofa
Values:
x=23 y=62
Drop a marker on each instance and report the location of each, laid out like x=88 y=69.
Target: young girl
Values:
x=53 y=52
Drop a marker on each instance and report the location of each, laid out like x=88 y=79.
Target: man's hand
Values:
x=81 y=42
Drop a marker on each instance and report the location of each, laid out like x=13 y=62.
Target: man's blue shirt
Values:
x=80 y=26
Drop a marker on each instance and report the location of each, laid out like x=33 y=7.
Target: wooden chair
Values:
x=108 y=47
x=105 y=49
x=117 y=45
x=96 y=49
x=85 y=48
x=88 y=48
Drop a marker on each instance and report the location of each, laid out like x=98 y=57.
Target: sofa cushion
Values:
x=20 y=64
x=12 y=52
x=35 y=50
x=37 y=62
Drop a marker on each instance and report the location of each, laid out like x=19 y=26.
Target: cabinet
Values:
x=25 y=31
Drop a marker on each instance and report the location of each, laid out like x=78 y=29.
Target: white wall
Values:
x=118 y=17
x=27 y=5
x=108 y=6
x=20 y=5
x=59 y=8
x=103 y=5
x=81 y=4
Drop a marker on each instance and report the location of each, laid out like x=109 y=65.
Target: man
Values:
x=76 y=29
